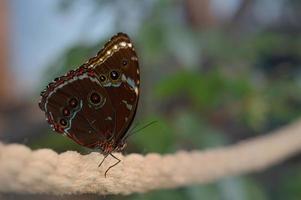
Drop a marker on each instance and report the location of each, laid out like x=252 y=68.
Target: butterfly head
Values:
x=111 y=146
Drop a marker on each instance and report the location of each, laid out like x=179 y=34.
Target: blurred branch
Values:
x=200 y=14
x=44 y=171
x=244 y=8
x=6 y=85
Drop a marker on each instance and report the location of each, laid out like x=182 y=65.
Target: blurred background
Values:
x=213 y=72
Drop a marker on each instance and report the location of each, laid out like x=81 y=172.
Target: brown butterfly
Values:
x=95 y=104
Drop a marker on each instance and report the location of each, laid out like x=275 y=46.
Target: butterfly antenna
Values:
x=133 y=127
x=143 y=127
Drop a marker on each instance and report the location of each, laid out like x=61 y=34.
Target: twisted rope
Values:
x=44 y=171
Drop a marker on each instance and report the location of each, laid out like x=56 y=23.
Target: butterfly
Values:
x=96 y=103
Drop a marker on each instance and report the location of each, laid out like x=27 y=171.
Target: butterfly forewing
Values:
x=124 y=90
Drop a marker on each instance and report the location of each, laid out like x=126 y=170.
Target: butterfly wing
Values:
x=79 y=107
x=116 y=67
x=113 y=75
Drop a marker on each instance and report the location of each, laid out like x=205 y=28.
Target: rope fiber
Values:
x=46 y=172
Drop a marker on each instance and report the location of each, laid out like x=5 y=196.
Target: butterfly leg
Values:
x=105 y=156
x=118 y=161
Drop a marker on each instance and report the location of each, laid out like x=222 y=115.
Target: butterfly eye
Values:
x=95 y=98
x=124 y=62
x=102 y=78
x=114 y=75
x=63 y=122
x=73 y=102
x=66 y=112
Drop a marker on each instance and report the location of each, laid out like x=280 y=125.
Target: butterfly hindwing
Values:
x=81 y=109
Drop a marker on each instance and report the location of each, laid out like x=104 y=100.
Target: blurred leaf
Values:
x=256 y=111
x=192 y=130
x=72 y=59
x=203 y=89
x=289 y=186
x=240 y=188
x=57 y=142
x=206 y=191
x=206 y=90
x=160 y=194
x=238 y=87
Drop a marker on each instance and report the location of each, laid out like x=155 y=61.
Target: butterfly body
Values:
x=95 y=104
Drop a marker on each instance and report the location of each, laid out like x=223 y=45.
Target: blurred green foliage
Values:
x=206 y=88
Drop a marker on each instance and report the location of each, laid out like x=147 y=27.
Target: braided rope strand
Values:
x=44 y=171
